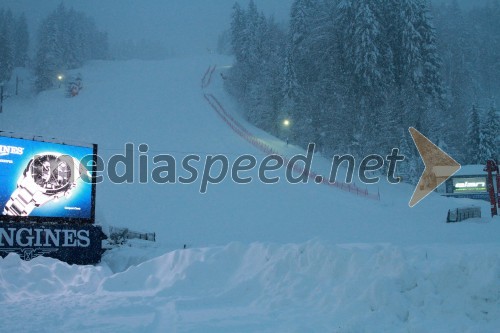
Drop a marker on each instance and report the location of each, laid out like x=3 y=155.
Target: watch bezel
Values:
x=29 y=172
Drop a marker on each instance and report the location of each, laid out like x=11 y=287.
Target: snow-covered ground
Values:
x=259 y=258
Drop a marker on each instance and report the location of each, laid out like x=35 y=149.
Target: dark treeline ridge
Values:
x=353 y=75
x=66 y=38
x=14 y=43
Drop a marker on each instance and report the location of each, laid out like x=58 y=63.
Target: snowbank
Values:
x=308 y=287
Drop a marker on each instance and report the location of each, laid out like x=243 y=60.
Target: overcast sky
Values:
x=187 y=26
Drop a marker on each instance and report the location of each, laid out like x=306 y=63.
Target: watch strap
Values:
x=21 y=202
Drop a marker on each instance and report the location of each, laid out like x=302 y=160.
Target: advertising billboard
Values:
x=46 y=181
x=473 y=184
x=74 y=244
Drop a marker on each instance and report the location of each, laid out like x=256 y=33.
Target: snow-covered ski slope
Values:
x=259 y=258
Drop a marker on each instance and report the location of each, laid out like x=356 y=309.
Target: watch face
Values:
x=51 y=173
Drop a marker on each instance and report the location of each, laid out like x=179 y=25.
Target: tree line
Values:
x=66 y=38
x=14 y=43
x=352 y=76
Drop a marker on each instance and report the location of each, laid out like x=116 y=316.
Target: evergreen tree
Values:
x=238 y=31
x=365 y=52
x=404 y=40
x=489 y=137
x=473 y=137
x=430 y=59
x=290 y=85
x=6 y=46
x=306 y=69
x=485 y=27
x=360 y=59
x=48 y=57
x=454 y=46
x=409 y=168
x=21 y=41
x=302 y=23
x=66 y=39
x=252 y=32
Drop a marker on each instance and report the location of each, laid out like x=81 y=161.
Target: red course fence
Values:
x=207 y=77
x=241 y=131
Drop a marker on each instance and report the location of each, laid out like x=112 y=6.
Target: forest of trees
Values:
x=353 y=75
x=65 y=40
x=14 y=43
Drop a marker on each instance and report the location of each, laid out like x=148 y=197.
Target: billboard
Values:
x=46 y=181
x=473 y=184
x=74 y=244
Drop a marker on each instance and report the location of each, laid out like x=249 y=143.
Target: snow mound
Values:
x=21 y=280
x=307 y=287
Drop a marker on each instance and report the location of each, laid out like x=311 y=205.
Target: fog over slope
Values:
x=188 y=27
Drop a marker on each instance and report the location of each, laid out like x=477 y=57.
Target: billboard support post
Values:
x=491 y=166
x=498 y=186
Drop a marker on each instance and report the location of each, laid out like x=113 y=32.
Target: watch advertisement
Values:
x=46 y=181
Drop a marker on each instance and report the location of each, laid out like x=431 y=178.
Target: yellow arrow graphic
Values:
x=439 y=166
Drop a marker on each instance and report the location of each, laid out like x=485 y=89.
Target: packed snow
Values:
x=258 y=258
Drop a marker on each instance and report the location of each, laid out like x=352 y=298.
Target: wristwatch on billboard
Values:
x=48 y=176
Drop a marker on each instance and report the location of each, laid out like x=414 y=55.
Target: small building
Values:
x=471 y=181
